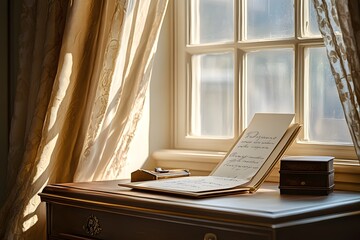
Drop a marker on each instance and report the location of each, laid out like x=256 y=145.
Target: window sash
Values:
x=182 y=92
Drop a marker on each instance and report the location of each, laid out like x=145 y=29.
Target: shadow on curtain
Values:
x=84 y=72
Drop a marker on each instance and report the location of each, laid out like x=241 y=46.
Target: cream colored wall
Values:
x=153 y=132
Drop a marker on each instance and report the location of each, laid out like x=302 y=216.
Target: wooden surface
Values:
x=126 y=214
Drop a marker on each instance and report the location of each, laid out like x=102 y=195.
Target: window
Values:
x=234 y=58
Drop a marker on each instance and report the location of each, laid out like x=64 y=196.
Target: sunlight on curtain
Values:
x=84 y=72
x=116 y=110
x=339 y=24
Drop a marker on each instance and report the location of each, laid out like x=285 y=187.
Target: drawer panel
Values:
x=68 y=222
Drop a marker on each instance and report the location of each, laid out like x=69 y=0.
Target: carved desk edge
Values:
x=264 y=208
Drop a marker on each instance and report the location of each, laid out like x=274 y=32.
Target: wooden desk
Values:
x=102 y=210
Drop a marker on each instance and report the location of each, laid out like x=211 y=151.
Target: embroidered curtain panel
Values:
x=83 y=74
x=339 y=24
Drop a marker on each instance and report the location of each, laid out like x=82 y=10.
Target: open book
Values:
x=245 y=166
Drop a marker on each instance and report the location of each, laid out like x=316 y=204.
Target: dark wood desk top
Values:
x=266 y=207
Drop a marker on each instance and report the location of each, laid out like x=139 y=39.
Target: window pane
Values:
x=212 y=94
x=211 y=21
x=269 y=19
x=326 y=121
x=311 y=25
x=269 y=82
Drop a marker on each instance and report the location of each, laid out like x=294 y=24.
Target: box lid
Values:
x=307 y=163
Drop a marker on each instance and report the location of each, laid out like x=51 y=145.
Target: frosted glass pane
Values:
x=326 y=121
x=313 y=28
x=212 y=94
x=269 y=19
x=269 y=82
x=211 y=21
x=311 y=24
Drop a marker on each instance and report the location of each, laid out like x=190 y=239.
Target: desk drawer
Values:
x=67 y=222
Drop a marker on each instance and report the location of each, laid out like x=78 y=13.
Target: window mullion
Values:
x=208 y=45
x=201 y=49
x=237 y=76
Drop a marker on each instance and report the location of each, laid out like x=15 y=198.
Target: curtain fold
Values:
x=84 y=70
x=115 y=113
x=339 y=24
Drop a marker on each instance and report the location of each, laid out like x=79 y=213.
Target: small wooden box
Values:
x=147 y=175
x=310 y=175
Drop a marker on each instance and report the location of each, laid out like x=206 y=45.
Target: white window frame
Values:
x=200 y=154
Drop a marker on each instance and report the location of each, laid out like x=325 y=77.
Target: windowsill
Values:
x=347 y=172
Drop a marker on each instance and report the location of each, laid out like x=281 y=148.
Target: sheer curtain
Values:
x=339 y=23
x=83 y=75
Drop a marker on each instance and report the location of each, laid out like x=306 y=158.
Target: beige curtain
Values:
x=83 y=75
x=339 y=23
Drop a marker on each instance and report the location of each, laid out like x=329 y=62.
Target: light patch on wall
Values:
x=29 y=223
x=29 y=213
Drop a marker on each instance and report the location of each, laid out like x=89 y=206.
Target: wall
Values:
x=160 y=89
x=153 y=131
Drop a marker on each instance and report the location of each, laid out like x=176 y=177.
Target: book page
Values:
x=251 y=158
x=254 y=146
x=192 y=184
x=275 y=156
